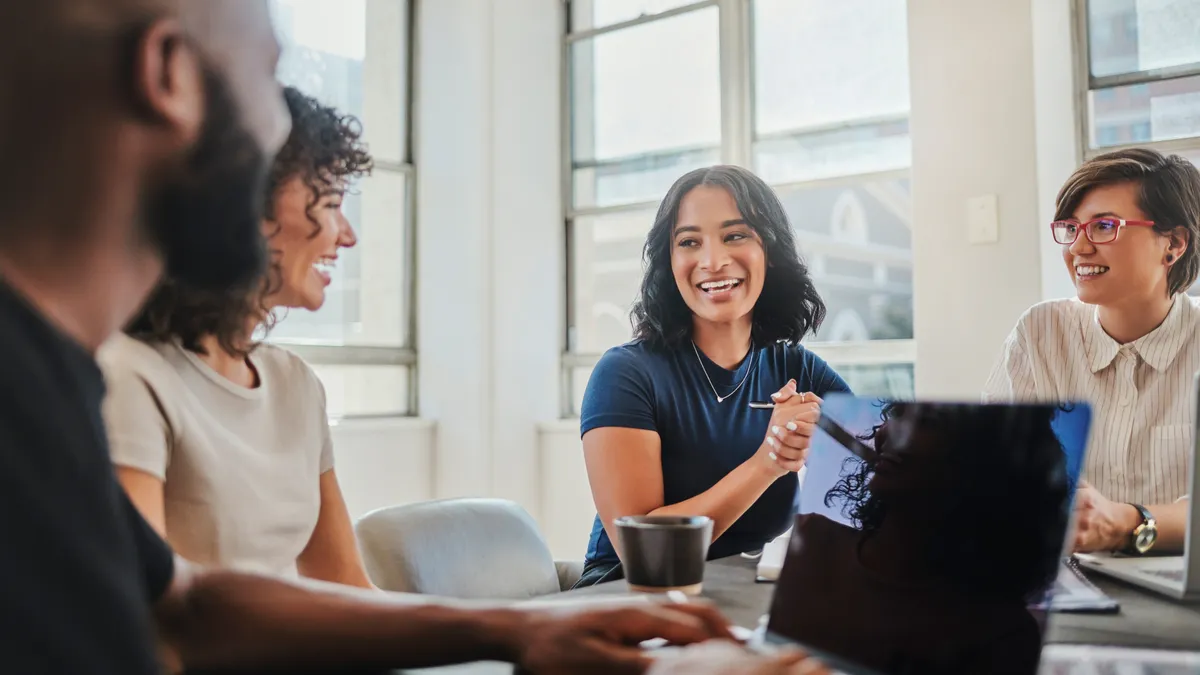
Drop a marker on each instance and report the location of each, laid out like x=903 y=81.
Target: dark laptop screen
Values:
x=926 y=531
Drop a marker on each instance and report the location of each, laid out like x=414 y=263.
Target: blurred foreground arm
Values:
x=225 y=620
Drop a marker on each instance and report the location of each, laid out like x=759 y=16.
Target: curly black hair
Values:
x=789 y=306
x=1008 y=508
x=324 y=149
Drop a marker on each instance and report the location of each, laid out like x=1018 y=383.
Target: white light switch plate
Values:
x=983 y=220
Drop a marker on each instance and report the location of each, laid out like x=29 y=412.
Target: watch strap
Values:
x=1147 y=517
x=1144 y=512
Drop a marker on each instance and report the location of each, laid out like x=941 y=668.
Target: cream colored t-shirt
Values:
x=241 y=467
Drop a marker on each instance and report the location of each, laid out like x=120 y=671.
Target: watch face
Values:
x=1145 y=538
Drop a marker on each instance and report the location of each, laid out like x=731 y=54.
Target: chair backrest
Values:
x=460 y=548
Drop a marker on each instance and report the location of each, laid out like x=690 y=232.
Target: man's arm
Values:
x=223 y=619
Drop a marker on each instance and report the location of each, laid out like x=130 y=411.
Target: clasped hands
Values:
x=789 y=433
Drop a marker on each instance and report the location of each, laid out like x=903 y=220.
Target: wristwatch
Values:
x=1144 y=535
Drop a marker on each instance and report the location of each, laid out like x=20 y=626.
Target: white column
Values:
x=1058 y=141
x=453 y=153
x=490 y=238
x=527 y=242
x=974 y=133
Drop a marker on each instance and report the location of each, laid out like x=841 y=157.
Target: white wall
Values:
x=490 y=238
x=568 y=510
x=1058 y=140
x=383 y=461
x=974 y=132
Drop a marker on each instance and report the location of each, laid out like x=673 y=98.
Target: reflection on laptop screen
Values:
x=925 y=533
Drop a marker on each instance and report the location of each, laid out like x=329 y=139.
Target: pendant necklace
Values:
x=720 y=398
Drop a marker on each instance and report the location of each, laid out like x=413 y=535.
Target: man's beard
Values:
x=206 y=220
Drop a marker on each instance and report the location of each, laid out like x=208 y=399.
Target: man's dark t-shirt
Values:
x=79 y=568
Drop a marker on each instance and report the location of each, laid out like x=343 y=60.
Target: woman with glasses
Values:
x=667 y=422
x=1128 y=223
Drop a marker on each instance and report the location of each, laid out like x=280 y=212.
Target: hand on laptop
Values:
x=726 y=658
x=573 y=641
x=1100 y=523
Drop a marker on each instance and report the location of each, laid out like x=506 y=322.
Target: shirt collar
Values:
x=1158 y=348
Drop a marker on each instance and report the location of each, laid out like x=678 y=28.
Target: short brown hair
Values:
x=1169 y=194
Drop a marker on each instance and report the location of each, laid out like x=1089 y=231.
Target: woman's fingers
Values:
x=788 y=452
x=787 y=393
x=792 y=465
x=798 y=437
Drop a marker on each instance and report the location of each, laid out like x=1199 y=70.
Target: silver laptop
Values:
x=1177 y=576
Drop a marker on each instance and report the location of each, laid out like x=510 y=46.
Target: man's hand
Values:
x=1101 y=524
x=606 y=641
x=725 y=658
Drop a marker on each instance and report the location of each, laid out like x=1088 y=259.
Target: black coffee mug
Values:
x=664 y=553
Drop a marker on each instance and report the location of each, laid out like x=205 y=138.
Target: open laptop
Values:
x=1177 y=576
x=882 y=575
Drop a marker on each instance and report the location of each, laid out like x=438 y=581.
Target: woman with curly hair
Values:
x=667 y=424
x=223 y=442
x=957 y=517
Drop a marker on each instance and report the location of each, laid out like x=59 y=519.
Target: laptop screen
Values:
x=928 y=534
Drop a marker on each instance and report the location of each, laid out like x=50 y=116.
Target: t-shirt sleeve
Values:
x=308 y=396
x=326 y=462
x=618 y=394
x=157 y=559
x=818 y=377
x=136 y=419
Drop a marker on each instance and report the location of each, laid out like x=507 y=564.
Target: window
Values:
x=1142 y=81
x=354 y=55
x=1142 y=60
x=660 y=87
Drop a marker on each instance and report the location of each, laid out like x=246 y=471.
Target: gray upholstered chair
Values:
x=461 y=548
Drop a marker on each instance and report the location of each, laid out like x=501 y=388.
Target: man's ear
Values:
x=168 y=80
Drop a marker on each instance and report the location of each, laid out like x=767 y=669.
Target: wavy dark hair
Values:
x=789 y=306
x=1009 y=503
x=324 y=149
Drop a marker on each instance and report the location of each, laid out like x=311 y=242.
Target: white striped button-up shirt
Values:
x=1142 y=393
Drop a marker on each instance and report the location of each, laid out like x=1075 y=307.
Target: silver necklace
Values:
x=720 y=398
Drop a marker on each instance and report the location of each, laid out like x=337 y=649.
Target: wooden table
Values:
x=1145 y=619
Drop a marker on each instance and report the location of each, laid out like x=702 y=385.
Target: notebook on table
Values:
x=904 y=557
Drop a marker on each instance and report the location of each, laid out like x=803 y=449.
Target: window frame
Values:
x=1086 y=83
x=736 y=58
x=319 y=353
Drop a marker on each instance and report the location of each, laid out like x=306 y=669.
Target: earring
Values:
x=1170 y=258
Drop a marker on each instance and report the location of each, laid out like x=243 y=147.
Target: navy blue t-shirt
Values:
x=634 y=386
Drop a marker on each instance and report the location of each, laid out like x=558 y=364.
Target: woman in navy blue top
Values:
x=667 y=424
